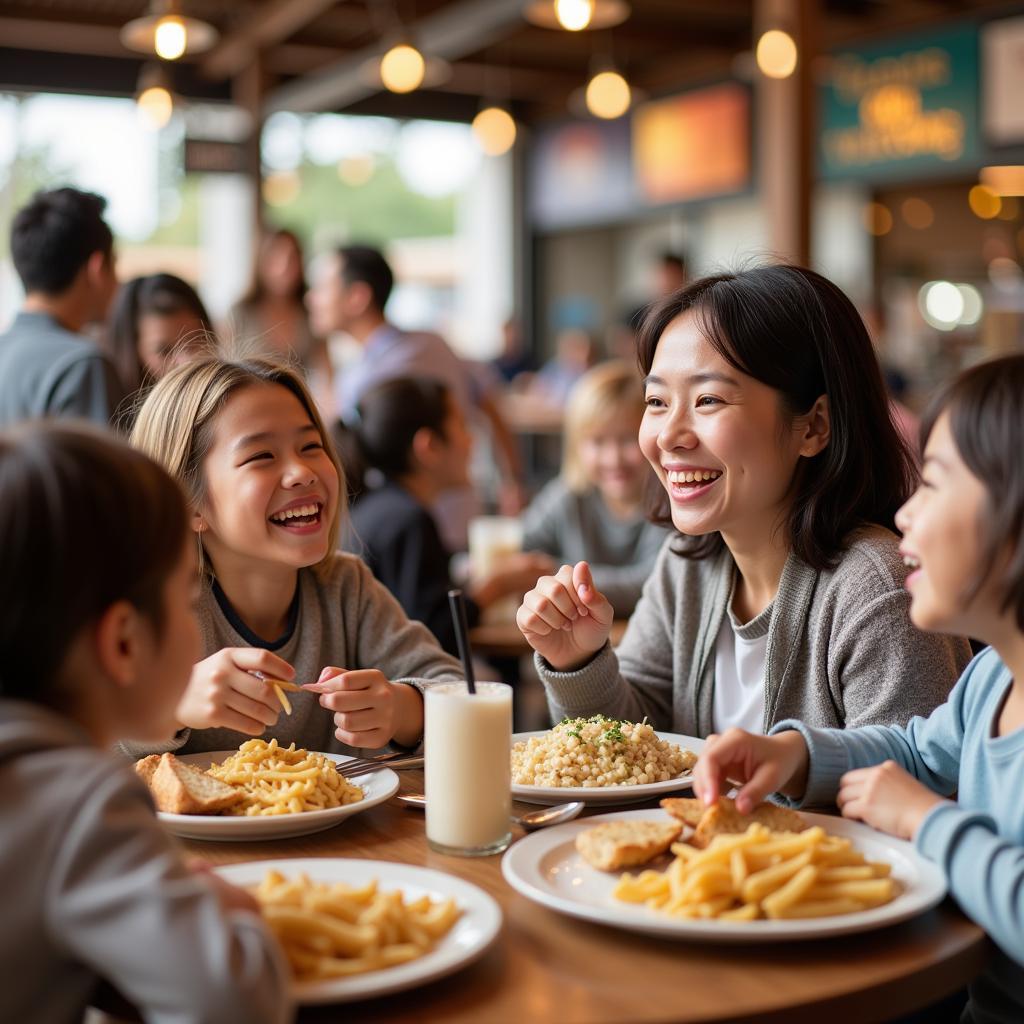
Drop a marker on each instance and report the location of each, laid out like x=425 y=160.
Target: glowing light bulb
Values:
x=170 y=38
x=155 y=106
x=574 y=15
x=495 y=130
x=608 y=95
x=776 y=54
x=402 y=68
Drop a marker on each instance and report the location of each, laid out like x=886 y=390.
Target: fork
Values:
x=365 y=765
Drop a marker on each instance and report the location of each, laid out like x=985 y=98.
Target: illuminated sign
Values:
x=892 y=110
x=693 y=146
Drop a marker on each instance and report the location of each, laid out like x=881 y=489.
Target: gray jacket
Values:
x=841 y=648
x=94 y=888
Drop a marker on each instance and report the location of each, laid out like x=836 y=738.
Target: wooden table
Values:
x=549 y=969
x=504 y=640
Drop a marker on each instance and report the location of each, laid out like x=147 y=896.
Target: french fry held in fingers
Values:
x=335 y=930
x=761 y=874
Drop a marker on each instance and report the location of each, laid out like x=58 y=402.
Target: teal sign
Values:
x=902 y=108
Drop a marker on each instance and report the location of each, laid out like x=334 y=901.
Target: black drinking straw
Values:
x=458 y=606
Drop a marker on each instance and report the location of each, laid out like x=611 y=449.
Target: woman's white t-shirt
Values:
x=741 y=652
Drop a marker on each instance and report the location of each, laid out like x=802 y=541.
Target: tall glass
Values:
x=468 y=774
x=491 y=540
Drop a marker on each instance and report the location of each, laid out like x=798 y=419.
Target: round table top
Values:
x=546 y=968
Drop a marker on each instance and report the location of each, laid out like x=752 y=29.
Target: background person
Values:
x=414 y=434
x=157 y=323
x=64 y=255
x=594 y=511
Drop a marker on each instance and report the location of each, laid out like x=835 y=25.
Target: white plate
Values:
x=470 y=936
x=377 y=787
x=609 y=795
x=546 y=868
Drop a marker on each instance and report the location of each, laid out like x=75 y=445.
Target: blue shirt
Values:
x=979 y=839
x=46 y=370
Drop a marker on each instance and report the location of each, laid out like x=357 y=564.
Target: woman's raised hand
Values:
x=565 y=618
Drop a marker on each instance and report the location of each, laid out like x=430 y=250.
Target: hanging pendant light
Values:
x=576 y=15
x=168 y=33
x=608 y=95
x=154 y=99
x=495 y=130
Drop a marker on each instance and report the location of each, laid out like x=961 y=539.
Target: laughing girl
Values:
x=767 y=426
x=246 y=443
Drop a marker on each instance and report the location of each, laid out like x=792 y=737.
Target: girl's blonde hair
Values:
x=600 y=395
x=175 y=424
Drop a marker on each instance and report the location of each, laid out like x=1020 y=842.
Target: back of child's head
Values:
x=984 y=405
x=177 y=421
x=609 y=393
x=86 y=522
x=389 y=417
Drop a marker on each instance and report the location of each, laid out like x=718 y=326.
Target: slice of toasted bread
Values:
x=624 y=844
x=145 y=767
x=180 y=788
x=688 y=810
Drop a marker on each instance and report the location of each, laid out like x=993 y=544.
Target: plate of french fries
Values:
x=284 y=792
x=353 y=929
x=834 y=877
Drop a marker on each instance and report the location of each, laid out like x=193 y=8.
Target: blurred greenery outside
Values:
x=325 y=209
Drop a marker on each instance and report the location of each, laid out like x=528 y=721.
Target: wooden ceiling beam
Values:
x=61 y=37
x=274 y=22
x=451 y=32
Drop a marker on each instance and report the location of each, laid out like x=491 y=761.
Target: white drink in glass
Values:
x=491 y=540
x=467 y=770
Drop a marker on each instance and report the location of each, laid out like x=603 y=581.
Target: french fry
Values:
x=763 y=874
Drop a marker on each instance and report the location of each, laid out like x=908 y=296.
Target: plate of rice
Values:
x=601 y=760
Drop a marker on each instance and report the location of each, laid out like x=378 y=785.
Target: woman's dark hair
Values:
x=389 y=417
x=86 y=521
x=154 y=294
x=795 y=331
x=256 y=290
x=984 y=405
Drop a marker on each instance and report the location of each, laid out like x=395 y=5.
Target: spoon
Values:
x=540 y=818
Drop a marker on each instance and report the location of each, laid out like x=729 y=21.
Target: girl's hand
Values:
x=763 y=764
x=887 y=798
x=231 y=897
x=370 y=711
x=223 y=692
x=564 y=618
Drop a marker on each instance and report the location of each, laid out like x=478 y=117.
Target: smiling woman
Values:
x=247 y=444
x=782 y=593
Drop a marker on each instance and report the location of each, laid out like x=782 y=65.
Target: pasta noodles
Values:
x=283 y=780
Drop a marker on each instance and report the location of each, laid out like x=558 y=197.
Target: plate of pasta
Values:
x=354 y=929
x=836 y=877
x=281 y=792
x=601 y=760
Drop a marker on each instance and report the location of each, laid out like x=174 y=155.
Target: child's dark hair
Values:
x=389 y=417
x=795 y=331
x=984 y=405
x=86 y=521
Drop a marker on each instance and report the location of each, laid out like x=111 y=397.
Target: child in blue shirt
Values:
x=962 y=537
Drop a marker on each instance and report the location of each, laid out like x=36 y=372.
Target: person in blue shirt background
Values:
x=963 y=536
